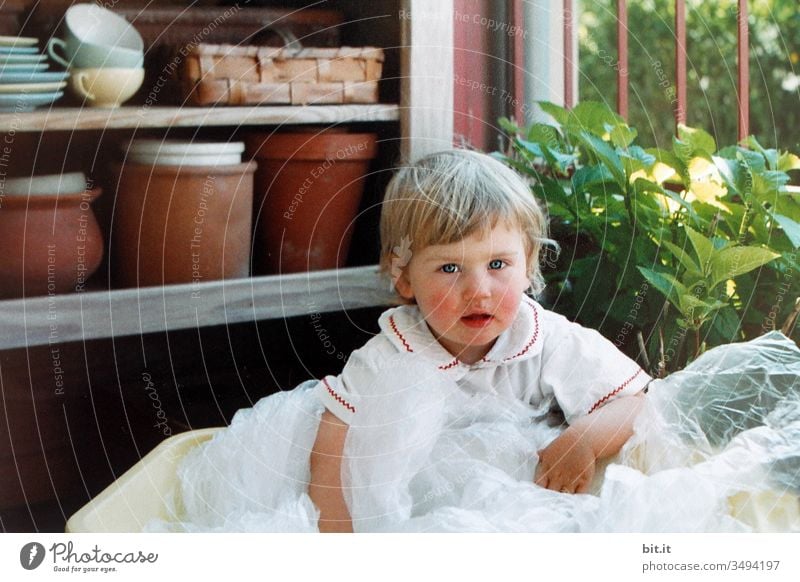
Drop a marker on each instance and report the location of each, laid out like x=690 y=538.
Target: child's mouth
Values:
x=477 y=319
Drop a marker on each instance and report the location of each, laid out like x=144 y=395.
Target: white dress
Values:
x=437 y=445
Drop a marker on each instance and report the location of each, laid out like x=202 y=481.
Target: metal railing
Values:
x=743 y=84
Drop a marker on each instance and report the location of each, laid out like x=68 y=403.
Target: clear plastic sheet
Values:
x=716 y=449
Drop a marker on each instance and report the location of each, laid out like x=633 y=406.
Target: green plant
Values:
x=714 y=233
x=711 y=45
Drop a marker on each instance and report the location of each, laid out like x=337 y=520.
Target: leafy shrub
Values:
x=666 y=252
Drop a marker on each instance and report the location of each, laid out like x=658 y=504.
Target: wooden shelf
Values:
x=141 y=117
x=84 y=316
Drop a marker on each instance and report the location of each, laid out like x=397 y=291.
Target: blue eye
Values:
x=496 y=264
x=449 y=268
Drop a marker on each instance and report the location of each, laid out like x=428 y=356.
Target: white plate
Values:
x=18 y=41
x=33 y=77
x=17 y=102
x=31 y=87
x=18 y=50
x=17 y=59
x=185 y=148
x=22 y=67
x=70 y=183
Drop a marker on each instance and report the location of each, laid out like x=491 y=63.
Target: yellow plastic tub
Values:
x=141 y=494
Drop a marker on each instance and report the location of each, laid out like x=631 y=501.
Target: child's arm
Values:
x=325 y=488
x=568 y=463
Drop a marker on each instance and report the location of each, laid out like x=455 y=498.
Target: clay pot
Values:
x=51 y=243
x=182 y=224
x=308 y=191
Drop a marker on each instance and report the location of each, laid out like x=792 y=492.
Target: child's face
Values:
x=469 y=292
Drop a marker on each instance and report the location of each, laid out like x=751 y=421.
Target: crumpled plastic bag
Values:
x=715 y=449
x=252 y=476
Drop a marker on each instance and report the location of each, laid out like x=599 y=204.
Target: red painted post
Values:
x=744 y=71
x=622 y=56
x=680 y=60
x=568 y=89
x=518 y=60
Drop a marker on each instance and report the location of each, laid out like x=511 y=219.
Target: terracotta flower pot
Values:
x=51 y=243
x=308 y=191
x=182 y=224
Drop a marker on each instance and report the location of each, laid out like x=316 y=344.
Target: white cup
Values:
x=96 y=37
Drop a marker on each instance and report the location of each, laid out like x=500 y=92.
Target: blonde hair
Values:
x=446 y=197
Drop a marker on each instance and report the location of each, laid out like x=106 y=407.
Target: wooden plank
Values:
x=73 y=118
x=426 y=70
x=84 y=316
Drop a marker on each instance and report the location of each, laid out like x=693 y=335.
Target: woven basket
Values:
x=239 y=75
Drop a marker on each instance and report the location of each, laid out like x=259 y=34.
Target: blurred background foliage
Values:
x=711 y=65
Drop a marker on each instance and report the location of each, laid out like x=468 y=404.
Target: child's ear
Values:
x=403 y=285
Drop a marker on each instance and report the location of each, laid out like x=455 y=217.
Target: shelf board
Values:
x=92 y=315
x=141 y=117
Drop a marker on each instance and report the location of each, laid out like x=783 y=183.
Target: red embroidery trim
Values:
x=397 y=332
x=455 y=362
x=338 y=398
x=534 y=337
x=614 y=392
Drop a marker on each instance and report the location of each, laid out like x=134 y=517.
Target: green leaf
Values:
x=665 y=283
x=544 y=134
x=790 y=227
x=692 y=142
x=731 y=262
x=509 y=126
x=588 y=176
x=555 y=111
x=730 y=171
x=521 y=167
x=682 y=256
x=767 y=185
x=770 y=155
x=726 y=323
x=606 y=154
x=622 y=136
x=753 y=160
x=594 y=117
x=703 y=248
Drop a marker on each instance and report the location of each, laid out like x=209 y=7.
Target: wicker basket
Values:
x=239 y=75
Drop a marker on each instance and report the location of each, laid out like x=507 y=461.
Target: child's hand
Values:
x=567 y=464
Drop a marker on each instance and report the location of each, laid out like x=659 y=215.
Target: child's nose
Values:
x=478 y=285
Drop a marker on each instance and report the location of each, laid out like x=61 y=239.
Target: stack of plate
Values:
x=25 y=82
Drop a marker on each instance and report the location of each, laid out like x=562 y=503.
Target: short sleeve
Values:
x=583 y=370
x=375 y=372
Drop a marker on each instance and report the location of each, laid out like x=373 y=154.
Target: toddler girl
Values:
x=461 y=235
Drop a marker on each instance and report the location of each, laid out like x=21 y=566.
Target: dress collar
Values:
x=408 y=331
